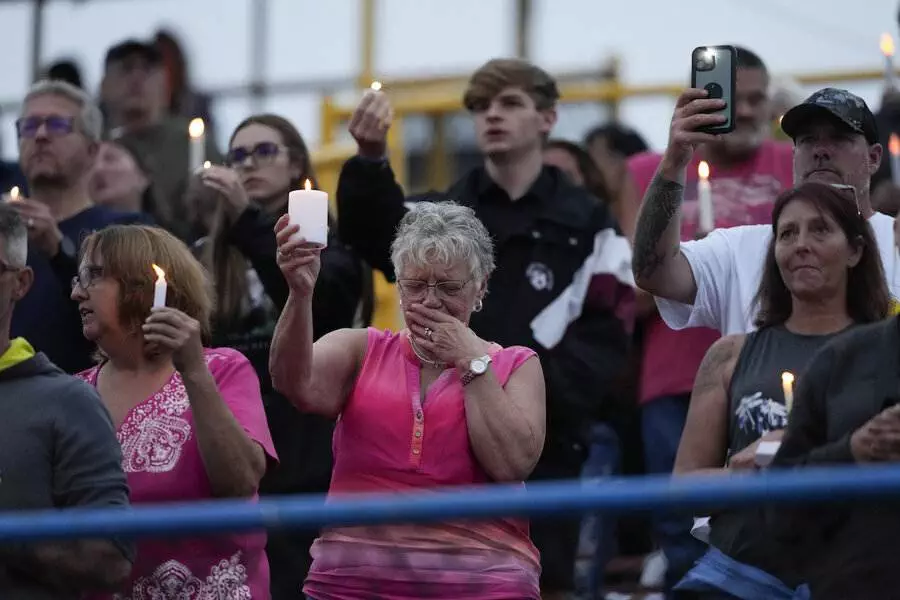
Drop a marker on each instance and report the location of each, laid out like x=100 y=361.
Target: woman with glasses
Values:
x=430 y=406
x=237 y=207
x=821 y=277
x=189 y=418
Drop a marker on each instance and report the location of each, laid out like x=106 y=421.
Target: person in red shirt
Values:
x=747 y=170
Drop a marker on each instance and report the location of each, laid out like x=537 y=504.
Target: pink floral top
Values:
x=163 y=463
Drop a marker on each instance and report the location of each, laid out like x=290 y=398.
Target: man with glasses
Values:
x=59 y=133
x=58 y=450
x=711 y=282
x=135 y=101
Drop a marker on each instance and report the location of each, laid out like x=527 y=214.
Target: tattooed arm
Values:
x=704 y=442
x=658 y=264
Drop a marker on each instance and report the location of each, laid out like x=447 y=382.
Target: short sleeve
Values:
x=238 y=386
x=711 y=260
x=87 y=456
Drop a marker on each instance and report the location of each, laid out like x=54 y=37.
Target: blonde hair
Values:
x=128 y=251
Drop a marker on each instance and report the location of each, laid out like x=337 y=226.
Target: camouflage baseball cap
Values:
x=848 y=108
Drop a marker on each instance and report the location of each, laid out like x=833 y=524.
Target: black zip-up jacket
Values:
x=541 y=241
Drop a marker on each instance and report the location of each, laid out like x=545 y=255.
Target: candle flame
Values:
x=787 y=378
x=206 y=164
x=376 y=86
x=887 y=44
x=14 y=194
x=160 y=274
x=196 y=128
x=307 y=185
x=703 y=169
x=894 y=144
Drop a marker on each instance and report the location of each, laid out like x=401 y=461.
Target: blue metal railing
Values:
x=610 y=495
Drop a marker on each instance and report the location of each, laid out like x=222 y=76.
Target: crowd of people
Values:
x=565 y=315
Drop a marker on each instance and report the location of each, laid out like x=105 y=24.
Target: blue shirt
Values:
x=47 y=317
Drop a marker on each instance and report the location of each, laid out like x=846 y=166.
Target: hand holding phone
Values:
x=703 y=111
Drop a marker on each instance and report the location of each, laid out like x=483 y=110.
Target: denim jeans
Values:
x=662 y=421
x=597 y=541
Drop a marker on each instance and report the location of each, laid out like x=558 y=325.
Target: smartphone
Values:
x=713 y=69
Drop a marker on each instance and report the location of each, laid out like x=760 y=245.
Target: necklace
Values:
x=433 y=363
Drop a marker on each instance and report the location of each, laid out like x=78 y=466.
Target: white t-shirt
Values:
x=727 y=266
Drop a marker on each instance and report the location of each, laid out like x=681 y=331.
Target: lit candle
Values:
x=159 y=290
x=787 y=386
x=376 y=86
x=887 y=48
x=206 y=164
x=14 y=194
x=197 y=133
x=308 y=208
x=704 y=198
x=894 y=151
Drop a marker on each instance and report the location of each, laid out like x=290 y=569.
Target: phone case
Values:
x=713 y=68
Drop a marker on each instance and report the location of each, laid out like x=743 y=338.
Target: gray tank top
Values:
x=756 y=406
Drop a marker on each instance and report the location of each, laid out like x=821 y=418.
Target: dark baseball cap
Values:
x=129 y=48
x=849 y=109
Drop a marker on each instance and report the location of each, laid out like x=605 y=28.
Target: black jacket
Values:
x=535 y=265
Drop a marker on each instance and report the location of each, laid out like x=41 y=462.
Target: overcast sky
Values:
x=316 y=39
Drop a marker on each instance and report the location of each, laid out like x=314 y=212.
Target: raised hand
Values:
x=370 y=123
x=691 y=110
x=299 y=261
x=172 y=331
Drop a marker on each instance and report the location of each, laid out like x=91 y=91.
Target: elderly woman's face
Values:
x=812 y=252
x=447 y=288
x=98 y=300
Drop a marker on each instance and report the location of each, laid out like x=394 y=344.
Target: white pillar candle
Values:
x=706 y=221
x=887 y=49
x=160 y=289
x=787 y=386
x=308 y=208
x=197 y=133
x=894 y=152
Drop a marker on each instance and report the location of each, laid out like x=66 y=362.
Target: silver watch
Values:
x=477 y=366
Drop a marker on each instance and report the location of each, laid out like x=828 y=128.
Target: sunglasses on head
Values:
x=852 y=190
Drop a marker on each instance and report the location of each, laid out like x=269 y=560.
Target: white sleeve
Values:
x=711 y=260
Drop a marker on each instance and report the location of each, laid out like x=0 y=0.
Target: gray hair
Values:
x=13 y=236
x=446 y=233
x=91 y=118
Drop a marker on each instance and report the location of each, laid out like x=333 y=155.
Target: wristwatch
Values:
x=477 y=366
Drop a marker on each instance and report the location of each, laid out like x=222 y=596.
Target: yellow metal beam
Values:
x=367 y=43
x=448 y=99
x=440 y=155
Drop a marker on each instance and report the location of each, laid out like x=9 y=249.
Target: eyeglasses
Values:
x=87 y=277
x=28 y=127
x=416 y=289
x=262 y=153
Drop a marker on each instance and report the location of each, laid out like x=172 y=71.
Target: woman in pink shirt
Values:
x=430 y=406
x=190 y=419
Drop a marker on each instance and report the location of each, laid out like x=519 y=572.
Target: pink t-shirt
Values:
x=743 y=194
x=162 y=461
x=386 y=440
